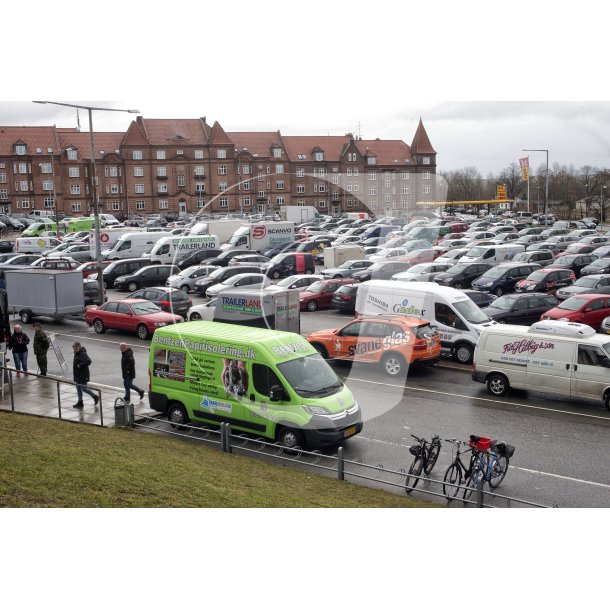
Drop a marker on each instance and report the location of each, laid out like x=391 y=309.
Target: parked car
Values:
x=185 y=280
x=578 y=248
x=594 y=240
x=115 y=269
x=482 y=299
x=249 y=259
x=289 y=263
x=319 y=295
x=153 y=275
x=528 y=240
x=344 y=298
x=6 y=245
x=503 y=278
x=381 y=271
x=589 y=284
x=91 y=267
x=601 y=265
x=424 y=272
x=169 y=299
x=423 y=255
x=79 y=252
x=347 y=269
x=55 y=263
x=198 y=257
x=530 y=231
x=220 y=275
x=554 y=248
x=546 y=280
x=542 y=257
x=575 y=262
x=243 y=281
x=21 y=259
x=461 y=275
x=589 y=309
x=294 y=282
x=204 y=311
x=452 y=256
x=288 y=247
x=135 y=315
x=590 y=222
x=225 y=257
x=520 y=308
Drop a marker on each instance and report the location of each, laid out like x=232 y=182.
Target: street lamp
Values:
x=546 y=195
x=96 y=202
x=601 y=204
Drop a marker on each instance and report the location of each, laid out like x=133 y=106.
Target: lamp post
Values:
x=546 y=193
x=601 y=204
x=96 y=197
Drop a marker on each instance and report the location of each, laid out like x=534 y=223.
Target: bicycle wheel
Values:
x=451 y=482
x=499 y=471
x=432 y=457
x=472 y=483
x=415 y=470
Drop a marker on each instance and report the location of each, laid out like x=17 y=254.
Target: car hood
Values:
x=334 y=270
x=575 y=290
x=493 y=312
x=161 y=316
x=521 y=283
x=322 y=335
x=442 y=277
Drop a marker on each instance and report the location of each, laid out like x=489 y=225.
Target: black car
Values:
x=575 y=262
x=173 y=300
x=541 y=257
x=7 y=246
x=344 y=298
x=125 y=266
x=289 y=247
x=461 y=275
x=381 y=271
x=520 y=308
x=503 y=278
x=91 y=292
x=153 y=275
x=222 y=274
x=198 y=257
x=588 y=284
x=223 y=260
x=482 y=299
x=289 y=263
x=547 y=280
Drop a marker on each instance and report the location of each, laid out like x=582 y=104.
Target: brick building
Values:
x=184 y=165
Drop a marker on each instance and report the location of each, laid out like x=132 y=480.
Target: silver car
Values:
x=185 y=280
x=251 y=281
x=79 y=252
x=347 y=269
x=294 y=282
x=424 y=272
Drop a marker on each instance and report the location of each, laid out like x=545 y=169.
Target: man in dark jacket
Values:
x=128 y=368
x=18 y=342
x=41 y=347
x=80 y=370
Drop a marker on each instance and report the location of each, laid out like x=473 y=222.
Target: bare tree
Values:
x=511 y=178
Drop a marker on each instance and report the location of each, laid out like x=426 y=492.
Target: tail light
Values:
x=164 y=303
x=347 y=297
x=420 y=345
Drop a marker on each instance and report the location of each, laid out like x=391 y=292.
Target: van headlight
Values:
x=315 y=410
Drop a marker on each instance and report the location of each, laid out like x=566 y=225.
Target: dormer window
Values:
x=72 y=154
x=20 y=149
x=318 y=156
x=277 y=153
x=425 y=160
x=371 y=160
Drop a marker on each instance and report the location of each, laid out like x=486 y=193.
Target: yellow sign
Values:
x=501 y=192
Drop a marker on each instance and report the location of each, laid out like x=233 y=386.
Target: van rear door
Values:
x=590 y=377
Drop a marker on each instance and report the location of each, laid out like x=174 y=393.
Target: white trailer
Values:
x=300 y=214
x=263 y=235
x=333 y=257
x=223 y=229
x=171 y=249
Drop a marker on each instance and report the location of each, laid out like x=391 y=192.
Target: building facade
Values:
x=162 y=166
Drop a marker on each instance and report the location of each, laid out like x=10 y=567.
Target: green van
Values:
x=270 y=383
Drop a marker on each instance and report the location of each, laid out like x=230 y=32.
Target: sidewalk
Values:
x=39 y=396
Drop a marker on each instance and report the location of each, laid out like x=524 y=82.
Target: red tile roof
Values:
x=170 y=132
x=135 y=135
x=421 y=143
x=108 y=141
x=257 y=143
x=218 y=135
x=387 y=152
x=332 y=146
x=32 y=137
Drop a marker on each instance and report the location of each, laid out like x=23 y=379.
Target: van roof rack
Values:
x=559 y=327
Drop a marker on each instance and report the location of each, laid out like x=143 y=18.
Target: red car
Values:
x=136 y=315
x=91 y=267
x=589 y=309
x=320 y=294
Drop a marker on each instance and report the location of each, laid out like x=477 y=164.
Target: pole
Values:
x=546 y=195
x=528 y=184
x=96 y=213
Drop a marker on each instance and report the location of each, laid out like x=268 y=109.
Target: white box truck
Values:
x=223 y=229
x=133 y=245
x=172 y=249
x=300 y=214
x=333 y=257
x=261 y=236
x=458 y=319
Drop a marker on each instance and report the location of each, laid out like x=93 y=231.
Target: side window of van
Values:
x=590 y=355
x=264 y=379
x=125 y=245
x=490 y=253
x=444 y=314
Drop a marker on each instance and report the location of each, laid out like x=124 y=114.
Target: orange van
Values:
x=393 y=341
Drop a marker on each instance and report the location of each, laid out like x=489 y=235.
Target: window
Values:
x=386 y=198
x=136 y=155
x=224 y=202
x=181 y=181
x=45 y=168
x=163 y=204
x=387 y=181
x=591 y=355
x=405 y=175
x=335 y=179
x=114 y=189
x=318 y=156
x=25 y=203
x=301 y=156
x=348 y=187
x=321 y=188
x=349 y=169
x=300 y=188
x=75 y=189
x=350 y=202
x=162 y=187
x=321 y=172
x=405 y=204
x=140 y=204
x=23 y=168
x=426 y=189
x=160 y=155
x=115 y=206
x=277 y=153
x=322 y=203
x=47 y=185
x=20 y=149
x=2 y=178
x=425 y=160
x=260 y=177
x=179 y=152
x=76 y=206
x=372 y=190
x=198 y=153
x=221 y=153
x=200 y=187
x=264 y=379
x=199 y=170
x=245 y=169
x=138 y=172
x=4 y=194
x=162 y=171
x=139 y=188
x=49 y=202
x=426 y=176
x=279 y=185
x=372 y=175
x=356 y=171
x=281 y=201
x=335 y=195
x=222 y=170
x=247 y=200
x=371 y=160
x=200 y=202
x=261 y=194
x=300 y=172
x=246 y=185
x=72 y=154
x=279 y=168
x=113 y=170
x=356 y=187
x=222 y=186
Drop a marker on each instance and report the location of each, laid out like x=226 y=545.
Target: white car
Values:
x=388 y=254
x=204 y=311
x=250 y=281
x=452 y=256
x=424 y=272
x=343 y=240
x=294 y=282
x=185 y=280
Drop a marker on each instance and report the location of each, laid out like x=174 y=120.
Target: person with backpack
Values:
x=128 y=369
x=41 y=347
x=18 y=342
x=80 y=370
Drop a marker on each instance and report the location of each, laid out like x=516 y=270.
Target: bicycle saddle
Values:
x=474 y=438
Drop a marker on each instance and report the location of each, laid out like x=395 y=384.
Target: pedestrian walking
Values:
x=18 y=342
x=80 y=370
x=41 y=347
x=128 y=368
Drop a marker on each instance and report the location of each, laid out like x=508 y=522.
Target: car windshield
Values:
x=315 y=287
x=602 y=262
x=586 y=282
x=476 y=252
x=493 y=273
x=216 y=274
x=287 y=281
x=505 y=303
x=383 y=253
x=537 y=276
x=311 y=376
x=521 y=257
x=572 y=304
x=140 y=309
x=470 y=312
x=418 y=268
x=346 y=265
x=564 y=260
x=457 y=269
x=376 y=267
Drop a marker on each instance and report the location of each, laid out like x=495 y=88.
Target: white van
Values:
x=492 y=254
x=132 y=245
x=525 y=217
x=552 y=356
x=175 y=247
x=458 y=319
x=34 y=245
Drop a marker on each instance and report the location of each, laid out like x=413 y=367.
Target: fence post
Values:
x=223 y=438
x=58 y=398
x=229 y=449
x=340 y=464
x=480 y=493
x=10 y=385
x=99 y=393
x=131 y=418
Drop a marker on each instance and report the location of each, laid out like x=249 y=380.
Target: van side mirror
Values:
x=276 y=393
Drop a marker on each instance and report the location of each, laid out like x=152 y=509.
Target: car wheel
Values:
x=186 y=288
x=393 y=364
x=195 y=316
x=177 y=416
x=337 y=277
x=132 y=286
x=463 y=353
x=321 y=350
x=312 y=305
x=457 y=286
x=290 y=438
x=498 y=292
x=98 y=326
x=142 y=331
x=497 y=384
x=25 y=315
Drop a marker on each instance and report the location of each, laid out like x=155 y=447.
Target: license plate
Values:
x=608 y=331
x=350 y=431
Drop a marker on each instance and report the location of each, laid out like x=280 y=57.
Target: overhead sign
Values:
x=501 y=192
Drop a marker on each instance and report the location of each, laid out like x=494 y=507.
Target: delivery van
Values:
x=32 y=245
x=37 y=228
x=176 y=247
x=264 y=382
x=492 y=254
x=565 y=358
x=78 y=224
x=130 y=245
x=261 y=236
x=458 y=319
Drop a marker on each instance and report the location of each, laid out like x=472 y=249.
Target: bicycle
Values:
x=491 y=466
x=426 y=454
x=457 y=472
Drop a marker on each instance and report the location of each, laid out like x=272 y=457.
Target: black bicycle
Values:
x=458 y=473
x=425 y=456
x=491 y=466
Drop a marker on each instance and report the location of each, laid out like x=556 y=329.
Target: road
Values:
x=562 y=445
